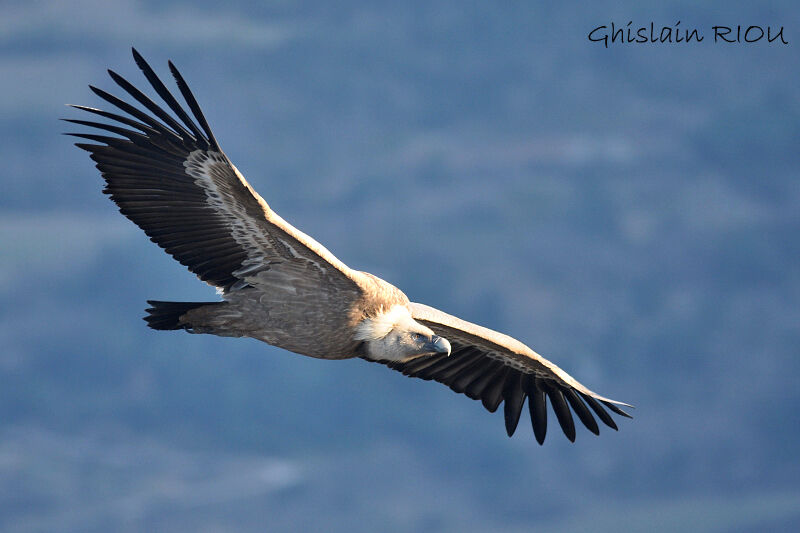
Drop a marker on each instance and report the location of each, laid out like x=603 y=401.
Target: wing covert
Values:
x=170 y=177
x=497 y=369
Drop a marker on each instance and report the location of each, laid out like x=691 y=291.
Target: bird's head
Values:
x=394 y=335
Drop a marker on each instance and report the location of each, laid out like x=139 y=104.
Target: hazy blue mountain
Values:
x=631 y=213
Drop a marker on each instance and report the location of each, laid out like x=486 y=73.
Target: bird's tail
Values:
x=167 y=315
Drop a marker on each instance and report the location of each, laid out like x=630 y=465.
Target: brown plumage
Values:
x=278 y=285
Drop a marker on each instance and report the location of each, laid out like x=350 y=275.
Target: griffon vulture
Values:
x=169 y=176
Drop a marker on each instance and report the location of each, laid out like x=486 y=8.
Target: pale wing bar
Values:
x=172 y=179
x=146 y=177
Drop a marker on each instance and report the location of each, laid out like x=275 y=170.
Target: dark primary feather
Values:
x=494 y=368
x=143 y=166
x=165 y=95
x=601 y=413
x=581 y=410
x=561 y=409
x=150 y=105
x=189 y=97
x=537 y=405
x=471 y=371
x=514 y=400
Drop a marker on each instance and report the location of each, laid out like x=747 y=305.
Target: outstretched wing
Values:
x=495 y=368
x=169 y=176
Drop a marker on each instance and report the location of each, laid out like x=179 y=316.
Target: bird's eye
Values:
x=416 y=336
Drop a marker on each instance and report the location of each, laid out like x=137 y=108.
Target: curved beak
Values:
x=438 y=344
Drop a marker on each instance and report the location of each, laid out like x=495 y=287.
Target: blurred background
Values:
x=631 y=213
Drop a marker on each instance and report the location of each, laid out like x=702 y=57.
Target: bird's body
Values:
x=280 y=286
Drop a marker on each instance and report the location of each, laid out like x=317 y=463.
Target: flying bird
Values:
x=168 y=174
